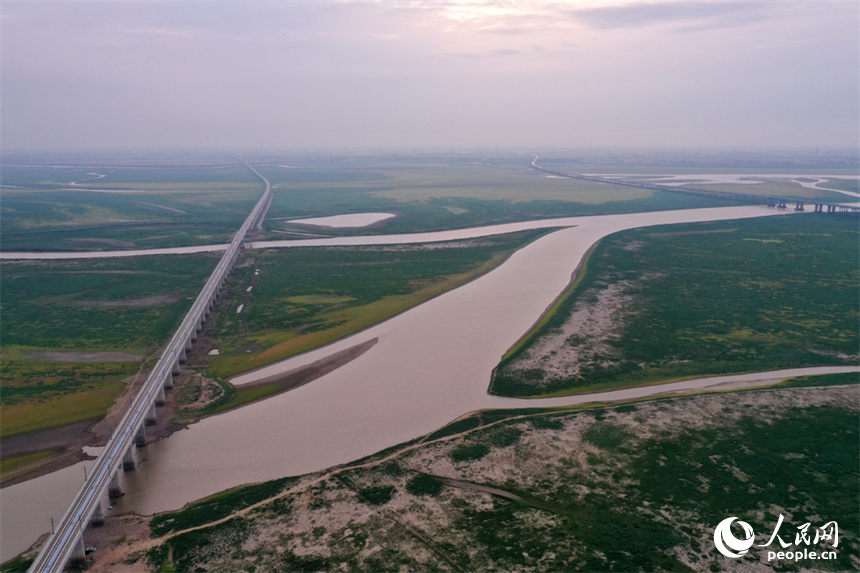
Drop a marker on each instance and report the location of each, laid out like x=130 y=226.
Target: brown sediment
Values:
x=42 y=440
x=305 y=374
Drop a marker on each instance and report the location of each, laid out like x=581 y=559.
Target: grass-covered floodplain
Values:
x=304 y=298
x=788 y=189
x=99 y=304
x=81 y=307
x=130 y=207
x=446 y=193
x=625 y=488
x=686 y=300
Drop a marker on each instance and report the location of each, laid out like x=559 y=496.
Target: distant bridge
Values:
x=769 y=200
x=66 y=544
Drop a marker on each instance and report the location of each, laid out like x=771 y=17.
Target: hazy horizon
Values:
x=439 y=76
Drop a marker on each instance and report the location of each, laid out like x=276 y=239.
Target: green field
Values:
x=436 y=195
x=69 y=308
x=304 y=298
x=687 y=300
x=106 y=304
x=128 y=208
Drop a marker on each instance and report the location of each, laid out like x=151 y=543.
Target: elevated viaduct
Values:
x=66 y=544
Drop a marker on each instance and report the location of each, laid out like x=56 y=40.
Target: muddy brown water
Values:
x=430 y=365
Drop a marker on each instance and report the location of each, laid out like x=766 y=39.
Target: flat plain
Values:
x=504 y=490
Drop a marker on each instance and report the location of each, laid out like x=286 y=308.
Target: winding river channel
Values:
x=430 y=365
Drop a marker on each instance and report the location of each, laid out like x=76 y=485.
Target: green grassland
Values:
x=129 y=208
x=709 y=298
x=170 y=206
x=852 y=185
x=304 y=298
x=623 y=488
x=131 y=305
x=782 y=189
x=453 y=194
x=104 y=304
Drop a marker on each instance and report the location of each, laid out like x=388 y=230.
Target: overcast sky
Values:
x=325 y=74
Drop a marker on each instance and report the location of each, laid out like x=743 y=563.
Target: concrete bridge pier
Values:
x=140 y=437
x=188 y=344
x=151 y=417
x=128 y=460
x=79 y=555
x=183 y=357
x=98 y=518
x=799 y=206
x=115 y=487
x=160 y=398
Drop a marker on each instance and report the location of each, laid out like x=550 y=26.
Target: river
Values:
x=431 y=365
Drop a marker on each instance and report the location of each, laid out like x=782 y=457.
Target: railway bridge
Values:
x=66 y=543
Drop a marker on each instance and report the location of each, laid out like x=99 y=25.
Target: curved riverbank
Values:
x=431 y=365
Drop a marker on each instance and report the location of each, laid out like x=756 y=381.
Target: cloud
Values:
x=683 y=15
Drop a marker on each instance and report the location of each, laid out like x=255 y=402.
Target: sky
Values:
x=458 y=74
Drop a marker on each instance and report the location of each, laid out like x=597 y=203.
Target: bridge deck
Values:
x=60 y=547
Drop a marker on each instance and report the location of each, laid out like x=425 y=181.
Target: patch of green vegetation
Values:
x=606 y=436
x=156 y=207
x=462 y=425
x=11 y=464
x=304 y=298
x=821 y=380
x=748 y=305
x=852 y=185
x=20 y=564
x=130 y=304
x=469 y=452
x=378 y=495
x=112 y=304
x=424 y=484
x=185 y=550
x=216 y=507
x=41 y=395
x=503 y=437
